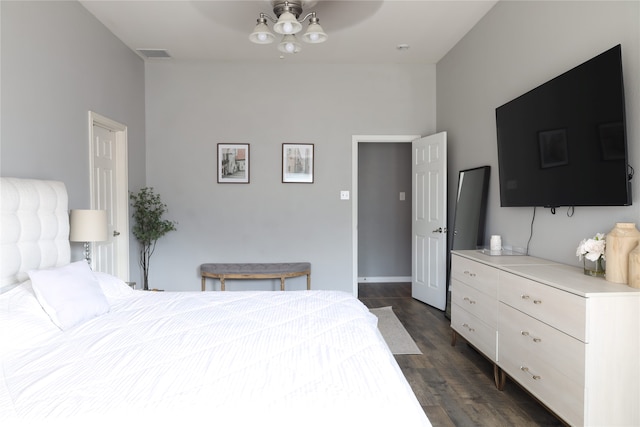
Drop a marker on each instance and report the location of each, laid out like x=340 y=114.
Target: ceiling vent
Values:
x=153 y=53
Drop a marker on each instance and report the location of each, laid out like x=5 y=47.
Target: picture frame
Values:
x=554 y=151
x=233 y=163
x=297 y=163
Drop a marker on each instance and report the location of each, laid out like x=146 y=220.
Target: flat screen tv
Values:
x=564 y=142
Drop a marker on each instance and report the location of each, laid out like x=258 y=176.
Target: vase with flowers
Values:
x=592 y=252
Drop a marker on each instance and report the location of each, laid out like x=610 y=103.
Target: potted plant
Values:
x=149 y=226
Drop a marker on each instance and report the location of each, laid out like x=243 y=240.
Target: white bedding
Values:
x=312 y=358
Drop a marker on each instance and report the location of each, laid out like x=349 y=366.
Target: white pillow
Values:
x=24 y=322
x=112 y=287
x=70 y=295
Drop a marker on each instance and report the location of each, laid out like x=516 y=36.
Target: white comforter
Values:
x=312 y=358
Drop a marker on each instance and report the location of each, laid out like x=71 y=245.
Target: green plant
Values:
x=149 y=226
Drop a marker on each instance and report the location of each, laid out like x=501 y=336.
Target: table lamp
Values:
x=88 y=225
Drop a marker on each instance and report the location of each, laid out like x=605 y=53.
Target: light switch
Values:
x=402 y=196
x=344 y=195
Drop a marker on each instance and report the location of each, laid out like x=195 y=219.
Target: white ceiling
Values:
x=360 y=31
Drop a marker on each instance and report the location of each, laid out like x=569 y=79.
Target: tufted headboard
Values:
x=34 y=228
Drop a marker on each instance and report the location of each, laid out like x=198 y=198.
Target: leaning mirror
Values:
x=470 y=212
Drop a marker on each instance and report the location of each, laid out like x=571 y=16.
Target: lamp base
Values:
x=87 y=253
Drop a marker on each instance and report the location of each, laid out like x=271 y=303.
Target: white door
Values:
x=429 y=218
x=109 y=191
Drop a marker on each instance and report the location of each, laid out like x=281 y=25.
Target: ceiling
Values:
x=360 y=31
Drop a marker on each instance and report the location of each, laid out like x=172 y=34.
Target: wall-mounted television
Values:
x=564 y=143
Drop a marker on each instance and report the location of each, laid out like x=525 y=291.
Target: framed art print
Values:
x=233 y=163
x=297 y=163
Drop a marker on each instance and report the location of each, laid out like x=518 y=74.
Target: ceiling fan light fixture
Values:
x=314 y=33
x=261 y=33
x=287 y=24
x=289 y=44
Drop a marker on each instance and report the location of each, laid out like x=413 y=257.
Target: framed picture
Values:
x=233 y=163
x=553 y=148
x=297 y=163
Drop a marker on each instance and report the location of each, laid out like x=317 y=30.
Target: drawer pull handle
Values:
x=466 y=325
x=526 y=334
x=470 y=301
x=525 y=369
x=525 y=296
x=537 y=301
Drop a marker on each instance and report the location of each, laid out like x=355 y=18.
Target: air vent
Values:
x=154 y=53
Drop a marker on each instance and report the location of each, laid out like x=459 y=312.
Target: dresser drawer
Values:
x=560 y=309
x=475 y=274
x=547 y=345
x=474 y=330
x=475 y=302
x=562 y=395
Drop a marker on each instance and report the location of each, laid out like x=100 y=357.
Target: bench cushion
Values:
x=256 y=268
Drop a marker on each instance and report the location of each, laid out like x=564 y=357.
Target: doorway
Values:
x=355 y=148
x=384 y=212
x=110 y=191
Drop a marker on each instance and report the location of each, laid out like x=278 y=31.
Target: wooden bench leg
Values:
x=222 y=283
x=282 y=283
x=203 y=283
x=308 y=281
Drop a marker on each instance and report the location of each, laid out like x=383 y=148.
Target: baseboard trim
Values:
x=389 y=279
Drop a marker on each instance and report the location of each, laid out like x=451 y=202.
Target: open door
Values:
x=429 y=220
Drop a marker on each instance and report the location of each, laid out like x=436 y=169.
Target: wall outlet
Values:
x=344 y=195
x=402 y=196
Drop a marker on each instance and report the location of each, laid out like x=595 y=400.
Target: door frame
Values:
x=355 y=141
x=122 y=172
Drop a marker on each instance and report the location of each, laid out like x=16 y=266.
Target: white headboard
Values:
x=34 y=228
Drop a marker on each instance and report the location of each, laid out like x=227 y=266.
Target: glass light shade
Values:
x=287 y=24
x=261 y=34
x=289 y=44
x=88 y=225
x=314 y=34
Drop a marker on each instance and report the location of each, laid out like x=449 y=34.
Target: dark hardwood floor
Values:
x=455 y=384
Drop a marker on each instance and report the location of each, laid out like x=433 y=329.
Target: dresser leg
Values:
x=499 y=377
x=454 y=338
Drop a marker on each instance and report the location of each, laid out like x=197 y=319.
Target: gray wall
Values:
x=191 y=107
x=384 y=221
x=516 y=47
x=59 y=62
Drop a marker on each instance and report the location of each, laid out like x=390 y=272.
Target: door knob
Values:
x=116 y=233
x=437 y=230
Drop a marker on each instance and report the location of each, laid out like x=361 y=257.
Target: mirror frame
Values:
x=480 y=221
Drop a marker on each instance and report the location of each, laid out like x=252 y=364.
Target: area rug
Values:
x=395 y=335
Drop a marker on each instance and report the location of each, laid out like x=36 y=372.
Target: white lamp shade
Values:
x=287 y=24
x=314 y=34
x=261 y=34
x=289 y=44
x=88 y=225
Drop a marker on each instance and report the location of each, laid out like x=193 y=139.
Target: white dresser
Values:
x=571 y=340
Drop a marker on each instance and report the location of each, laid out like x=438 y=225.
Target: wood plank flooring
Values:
x=454 y=385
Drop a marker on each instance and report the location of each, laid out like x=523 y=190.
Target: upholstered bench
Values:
x=255 y=271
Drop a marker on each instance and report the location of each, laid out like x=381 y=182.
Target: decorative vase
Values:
x=634 y=267
x=620 y=242
x=594 y=268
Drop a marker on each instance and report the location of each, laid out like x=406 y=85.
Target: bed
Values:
x=84 y=348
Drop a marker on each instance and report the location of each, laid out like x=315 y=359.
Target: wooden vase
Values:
x=621 y=240
x=634 y=267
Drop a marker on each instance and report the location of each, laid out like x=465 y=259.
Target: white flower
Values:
x=593 y=248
